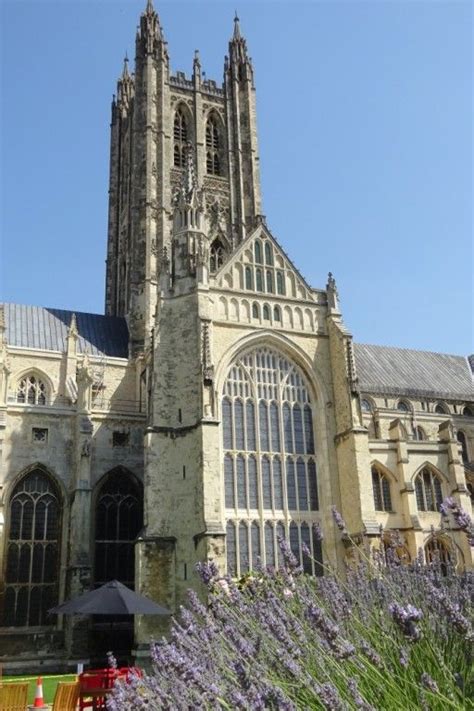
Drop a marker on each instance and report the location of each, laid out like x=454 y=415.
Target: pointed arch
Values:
x=182 y=123
x=33 y=548
x=381 y=487
x=118 y=519
x=33 y=387
x=428 y=488
x=214 y=144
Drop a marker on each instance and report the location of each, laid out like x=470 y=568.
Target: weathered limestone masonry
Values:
x=219 y=404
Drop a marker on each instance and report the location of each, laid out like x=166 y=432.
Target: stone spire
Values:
x=238 y=45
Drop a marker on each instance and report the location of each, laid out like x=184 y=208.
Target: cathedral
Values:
x=219 y=403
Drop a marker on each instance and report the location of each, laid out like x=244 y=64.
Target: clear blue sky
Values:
x=364 y=114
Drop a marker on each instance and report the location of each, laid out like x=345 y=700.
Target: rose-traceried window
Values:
x=32 y=390
x=33 y=551
x=270 y=474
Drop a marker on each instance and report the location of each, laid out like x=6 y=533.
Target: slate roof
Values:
x=46 y=329
x=399 y=371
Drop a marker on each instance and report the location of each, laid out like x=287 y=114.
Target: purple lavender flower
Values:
x=207 y=571
x=405 y=617
x=358 y=700
x=317 y=532
x=339 y=521
x=111 y=660
x=429 y=683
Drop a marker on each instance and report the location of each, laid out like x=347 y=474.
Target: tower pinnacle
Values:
x=237 y=34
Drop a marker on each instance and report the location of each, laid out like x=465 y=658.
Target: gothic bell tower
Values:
x=156 y=117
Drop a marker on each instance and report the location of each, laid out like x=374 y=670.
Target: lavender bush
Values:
x=386 y=636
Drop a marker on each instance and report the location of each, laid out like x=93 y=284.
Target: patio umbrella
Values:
x=112 y=598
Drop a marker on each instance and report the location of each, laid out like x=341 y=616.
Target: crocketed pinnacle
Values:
x=149 y=7
x=237 y=34
x=125 y=72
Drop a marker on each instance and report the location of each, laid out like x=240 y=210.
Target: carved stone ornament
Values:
x=86 y=448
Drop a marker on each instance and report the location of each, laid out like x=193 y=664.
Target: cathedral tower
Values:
x=155 y=116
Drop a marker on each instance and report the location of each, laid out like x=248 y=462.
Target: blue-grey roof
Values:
x=399 y=371
x=46 y=329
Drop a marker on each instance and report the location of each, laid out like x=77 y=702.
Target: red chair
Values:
x=95 y=684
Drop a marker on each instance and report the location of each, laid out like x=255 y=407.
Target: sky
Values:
x=365 y=121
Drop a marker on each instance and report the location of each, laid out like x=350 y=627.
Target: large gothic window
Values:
x=31 y=390
x=381 y=490
x=270 y=482
x=33 y=550
x=213 y=148
x=180 y=133
x=118 y=521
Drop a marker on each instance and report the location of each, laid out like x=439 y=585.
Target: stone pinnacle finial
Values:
x=189 y=184
x=72 y=331
x=125 y=66
x=237 y=34
x=149 y=7
x=331 y=282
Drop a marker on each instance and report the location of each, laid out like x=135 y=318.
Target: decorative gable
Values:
x=260 y=266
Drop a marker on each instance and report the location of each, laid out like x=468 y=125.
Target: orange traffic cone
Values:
x=39 y=701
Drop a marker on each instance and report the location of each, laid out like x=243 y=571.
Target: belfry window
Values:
x=381 y=489
x=118 y=520
x=267 y=425
x=428 y=491
x=216 y=256
x=31 y=391
x=213 y=162
x=180 y=133
x=33 y=550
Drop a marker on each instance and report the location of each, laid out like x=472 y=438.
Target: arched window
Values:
x=268 y=254
x=31 y=390
x=280 y=462
x=255 y=311
x=277 y=314
x=266 y=313
x=258 y=280
x=467 y=411
x=213 y=148
x=33 y=551
x=258 y=251
x=269 y=281
x=381 y=490
x=216 y=256
x=419 y=434
x=403 y=406
x=441 y=409
x=438 y=553
x=365 y=406
x=118 y=521
x=461 y=438
x=280 y=283
x=180 y=133
x=248 y=278
x=428 y=491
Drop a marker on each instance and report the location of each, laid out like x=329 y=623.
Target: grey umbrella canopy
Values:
x=113 y=598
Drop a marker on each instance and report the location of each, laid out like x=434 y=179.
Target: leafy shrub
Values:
x=386 y=635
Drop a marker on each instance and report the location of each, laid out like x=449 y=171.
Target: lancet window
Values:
x=180 y=134
x=216 y=256
x=381 y=490
x=33 y=551
x=31 y=390
x=269 y=465
x=213 y=148
x=428 y=491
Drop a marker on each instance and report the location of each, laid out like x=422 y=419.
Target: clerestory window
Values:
x=31 y=391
